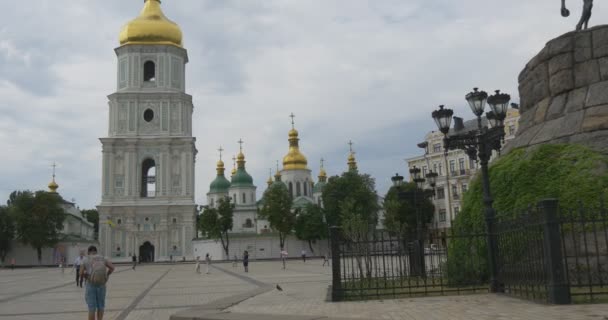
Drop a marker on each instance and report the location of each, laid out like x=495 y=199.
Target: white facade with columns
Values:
x=147 y=205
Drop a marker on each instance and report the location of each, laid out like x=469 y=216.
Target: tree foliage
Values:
x=92 y=216
x=277 y=210
x=310 y=225
x=401 y=212
x=573 y=174
x=216 y=223
x=38 y=218
x=348 y=195
x=7 y=232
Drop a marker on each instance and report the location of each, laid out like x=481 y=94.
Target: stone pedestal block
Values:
x=564 y=92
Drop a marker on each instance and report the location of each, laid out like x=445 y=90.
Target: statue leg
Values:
x=587 y=6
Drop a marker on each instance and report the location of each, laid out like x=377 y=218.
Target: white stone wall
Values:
x=259 y=247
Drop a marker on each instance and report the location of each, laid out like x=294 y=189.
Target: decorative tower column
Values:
x=149 y=153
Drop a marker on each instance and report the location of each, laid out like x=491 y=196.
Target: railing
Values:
x=384 y=265
x=546 y=254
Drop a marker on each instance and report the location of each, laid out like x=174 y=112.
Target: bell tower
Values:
x=147 y=205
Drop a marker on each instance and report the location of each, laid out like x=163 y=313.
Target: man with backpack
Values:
x=97 y=270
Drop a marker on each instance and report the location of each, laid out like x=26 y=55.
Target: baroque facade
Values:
x=147 y=205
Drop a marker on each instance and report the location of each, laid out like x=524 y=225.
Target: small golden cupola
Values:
x=151 y=27
x=233 y=172
x=269 y=181
x=294 y=160
x=53 y=186
x=352 y=162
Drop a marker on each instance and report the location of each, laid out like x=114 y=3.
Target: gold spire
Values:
x=220 y=164
x=240 y=158
x=269 y=181
x=322 y=173
x=294 y=160
x=53 y=186
x=277 y=175
x=151 y=27
x=352 y=162
x=233 y=166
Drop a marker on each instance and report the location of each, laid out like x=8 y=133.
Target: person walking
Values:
x=208 y=261
x=284 y=255
x=235 y=261
x=303 y=253
x=62 y=261
x=326 y=259
x=97 y=270
x=134 y=261
x=13 y=263
x=197 y=265
x=77 y=264
x=246 y=261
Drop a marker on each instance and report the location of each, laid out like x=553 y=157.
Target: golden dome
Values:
x=220 y=168
x=151 y=27
x=53 y=186
x=352 y=163
x=294 y=160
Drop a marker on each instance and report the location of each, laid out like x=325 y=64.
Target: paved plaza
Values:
x=159 y=291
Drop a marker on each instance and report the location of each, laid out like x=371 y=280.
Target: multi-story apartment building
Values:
x=455 y=171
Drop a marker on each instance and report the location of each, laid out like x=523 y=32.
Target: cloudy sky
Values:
x=366 y=70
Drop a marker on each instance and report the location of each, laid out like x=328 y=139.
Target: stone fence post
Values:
x=558 y=288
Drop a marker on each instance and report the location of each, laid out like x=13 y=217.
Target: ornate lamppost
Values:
x=479 y=144
x=417 y=196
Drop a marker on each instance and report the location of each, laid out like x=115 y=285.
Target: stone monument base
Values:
x=564 y=92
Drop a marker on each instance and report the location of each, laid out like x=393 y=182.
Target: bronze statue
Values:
x=587 y=6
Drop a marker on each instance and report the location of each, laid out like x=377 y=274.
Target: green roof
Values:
x=219 y=185
x=242 y=179
x=301 y=202
x=319 y=187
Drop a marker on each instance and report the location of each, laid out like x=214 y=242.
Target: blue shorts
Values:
x=95 y=297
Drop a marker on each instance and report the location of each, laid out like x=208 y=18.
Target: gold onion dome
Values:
x=352 y=163
x=53 y=186
x=151 y=27
x=294 y=159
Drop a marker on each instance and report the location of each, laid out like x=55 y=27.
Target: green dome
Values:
x=319 y=187
x=219 y=185
x=242 y=179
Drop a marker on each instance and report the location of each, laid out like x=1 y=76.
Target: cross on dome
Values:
x=322 y=162
x=350 y=144
x=220 y=150
x=293 y=124
x=240 y=142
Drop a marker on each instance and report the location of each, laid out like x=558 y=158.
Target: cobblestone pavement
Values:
x=305 y=292
x=151 y=292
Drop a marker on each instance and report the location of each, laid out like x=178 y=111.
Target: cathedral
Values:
x=147 y=206
x=295 y=175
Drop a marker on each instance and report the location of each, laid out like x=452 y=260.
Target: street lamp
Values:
x=397 y=180
x=479 y=144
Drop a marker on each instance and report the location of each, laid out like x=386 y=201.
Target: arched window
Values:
x=252 y=197
x=234 y=198
x=149 y=72
x=306 y=188
x=244 y=198
x=290 y=188
x=298 y=191
x=148 y=179
x=248 y=223
x=211 y=202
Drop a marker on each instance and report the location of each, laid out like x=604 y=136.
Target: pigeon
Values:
x=279 y=288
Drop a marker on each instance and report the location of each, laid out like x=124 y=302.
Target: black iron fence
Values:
x=547 y=255
x=385 y=265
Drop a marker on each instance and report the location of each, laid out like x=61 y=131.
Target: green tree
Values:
x=38 y=218
x=353 y=191
x=310 y=225
x=401 y=213
x=277 y=210
x=216 y=223
x=92 y=216
x=7 y=232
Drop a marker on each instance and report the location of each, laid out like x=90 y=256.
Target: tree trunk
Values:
x=312 y=251
x=282 y=240
x=225 y=244
x=39 y=252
